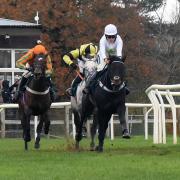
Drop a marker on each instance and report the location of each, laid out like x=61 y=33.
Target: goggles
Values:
x=89 y=57
x=110 y=36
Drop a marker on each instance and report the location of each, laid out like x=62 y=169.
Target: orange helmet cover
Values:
x=39 y=49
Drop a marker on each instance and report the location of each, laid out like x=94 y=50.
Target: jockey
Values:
x=7 y=91
x=81 y=54
x=28 y=59
x=110 y=44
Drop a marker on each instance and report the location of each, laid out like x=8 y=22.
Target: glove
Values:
x=106 y=60
x=73 y=66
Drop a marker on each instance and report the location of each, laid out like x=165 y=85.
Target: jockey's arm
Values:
x=49 y=66
x=102 y=49
x=119 y=46
x=21 y=63
x=72 y=55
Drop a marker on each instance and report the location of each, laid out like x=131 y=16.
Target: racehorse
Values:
x=90 y=68
x=107 y=98
x=35 y=101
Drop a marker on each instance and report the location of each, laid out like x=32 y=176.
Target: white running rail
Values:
x=156 y=94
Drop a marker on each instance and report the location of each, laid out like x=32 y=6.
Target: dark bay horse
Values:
x=107 y=98
x=35 y=101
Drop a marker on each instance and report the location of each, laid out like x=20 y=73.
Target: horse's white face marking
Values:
x=90 y=67
x=40 y=59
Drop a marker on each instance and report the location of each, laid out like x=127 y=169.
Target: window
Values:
x=5 y=58
x=8 y=58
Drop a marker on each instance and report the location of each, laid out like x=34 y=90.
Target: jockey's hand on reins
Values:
x=73 y=66
x=29 y=69
x=106 y=60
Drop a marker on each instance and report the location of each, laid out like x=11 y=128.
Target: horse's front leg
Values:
x=103 y=119
x=93 y=132
x=38 y=131
x=78 y=125
x=25 y=122
x=124 y=124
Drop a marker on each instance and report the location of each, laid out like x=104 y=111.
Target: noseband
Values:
x=119 y=86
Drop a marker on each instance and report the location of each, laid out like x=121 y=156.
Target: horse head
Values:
x=116 y=71
x=90 y=67
x=39 y=66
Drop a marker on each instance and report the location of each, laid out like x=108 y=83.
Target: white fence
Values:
x=67 y=122
x=159 y=95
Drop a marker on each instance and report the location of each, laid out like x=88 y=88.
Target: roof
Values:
x=14 y=23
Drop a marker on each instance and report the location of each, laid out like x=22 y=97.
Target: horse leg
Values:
x=124 y=124
x=38 y=131
x=77 y=123
x=25 y=122
x=103 y=120
x=46 y=123
x=93 y=132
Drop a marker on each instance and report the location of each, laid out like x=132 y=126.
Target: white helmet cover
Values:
x=110 y=29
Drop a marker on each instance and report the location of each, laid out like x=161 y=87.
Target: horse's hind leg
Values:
x=38 y=131
x=46 y=122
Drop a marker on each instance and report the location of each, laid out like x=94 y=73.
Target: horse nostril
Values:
x=116 y=78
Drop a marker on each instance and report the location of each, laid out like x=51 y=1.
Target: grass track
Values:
x=133 y=159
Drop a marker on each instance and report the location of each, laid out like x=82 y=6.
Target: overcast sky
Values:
x=170 y=11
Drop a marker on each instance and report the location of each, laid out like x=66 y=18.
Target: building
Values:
x=16 y=37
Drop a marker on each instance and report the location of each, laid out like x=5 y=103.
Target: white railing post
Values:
x=3 y=127
x=35 y=126
x=155 y=93
x=112 y=127
x=73 y=127
x=146 y=122
x=173 y=108
x=66 y=121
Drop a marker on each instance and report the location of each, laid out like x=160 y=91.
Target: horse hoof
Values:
x=36 y=145
x=126 y=136
x=77 y=145
x=92 y=147
x=99 y=149
x=25 y=145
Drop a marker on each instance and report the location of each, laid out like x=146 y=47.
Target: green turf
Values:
x=133 y=159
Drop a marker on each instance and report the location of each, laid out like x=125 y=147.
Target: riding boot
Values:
x=127 y=89
x=72 y=90
x=20 y=89
x=51 y=89
x=52 y=94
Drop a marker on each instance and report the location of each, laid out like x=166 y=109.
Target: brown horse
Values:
x=35 y=101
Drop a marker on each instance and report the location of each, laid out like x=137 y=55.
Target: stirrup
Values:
x=69 y=92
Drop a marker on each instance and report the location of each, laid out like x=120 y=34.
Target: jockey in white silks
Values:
x=110 y=44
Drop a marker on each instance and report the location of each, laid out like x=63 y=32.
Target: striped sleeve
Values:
x=49 y=65
x=68 y=58
x=21 y=63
